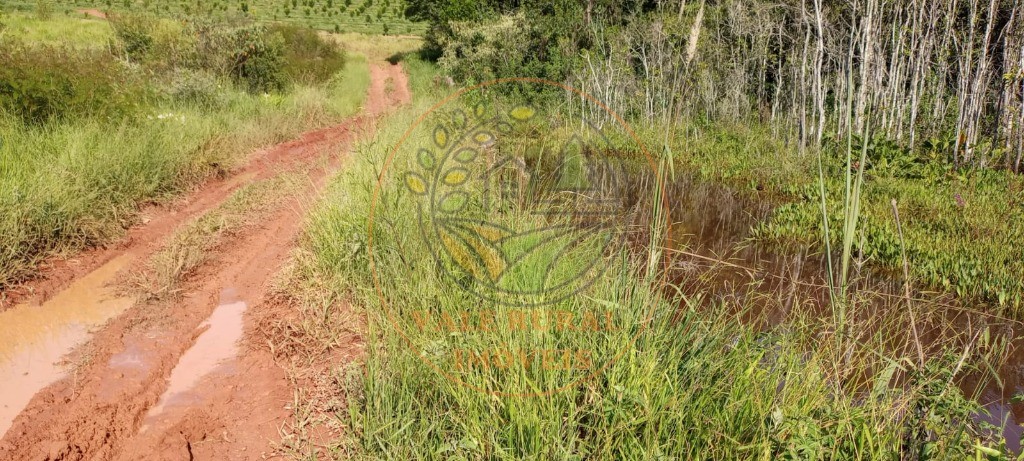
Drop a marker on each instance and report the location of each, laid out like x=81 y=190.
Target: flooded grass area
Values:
x=740 y=351
x=715 y=259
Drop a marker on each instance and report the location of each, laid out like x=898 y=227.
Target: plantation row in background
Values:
x=364 y=16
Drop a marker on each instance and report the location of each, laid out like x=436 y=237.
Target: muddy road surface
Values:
x=92 y=370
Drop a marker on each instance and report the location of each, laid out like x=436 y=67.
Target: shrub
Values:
x=133 y=34
x=41 y=83
x=257 y=59
x=248 y=54
x=308 y=57
x=473 y=51
x=196 y=87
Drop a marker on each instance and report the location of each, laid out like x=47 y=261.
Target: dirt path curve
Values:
x=94 y=13
x=192 y=377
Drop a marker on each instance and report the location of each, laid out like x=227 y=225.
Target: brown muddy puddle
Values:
x=712 y=253
x=212 y=352
x=35 y=339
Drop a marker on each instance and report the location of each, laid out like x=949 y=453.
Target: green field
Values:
x=364 y=16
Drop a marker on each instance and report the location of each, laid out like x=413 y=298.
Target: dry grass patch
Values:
x=191 y=245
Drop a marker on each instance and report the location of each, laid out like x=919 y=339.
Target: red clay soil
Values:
x=104 y=410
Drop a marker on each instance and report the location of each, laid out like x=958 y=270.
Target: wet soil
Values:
x=90 y=374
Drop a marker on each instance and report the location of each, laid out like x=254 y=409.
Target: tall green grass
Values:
x=71 y=31
x=695 y=384
x=75 y=183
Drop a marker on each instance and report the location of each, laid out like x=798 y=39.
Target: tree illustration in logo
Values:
x=514 y=229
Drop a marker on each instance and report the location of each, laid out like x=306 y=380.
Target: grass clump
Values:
x=191 y=245
x=308 y=57
x=39 y=83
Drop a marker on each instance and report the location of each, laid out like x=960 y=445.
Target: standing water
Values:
x=213 y=349
x=34 y=339
x=714 y=255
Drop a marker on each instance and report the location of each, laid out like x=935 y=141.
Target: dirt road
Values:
x=94 y=13
x=186 y=377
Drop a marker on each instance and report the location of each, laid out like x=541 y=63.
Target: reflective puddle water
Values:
x=714 y=256
x=212 y=350
x=34 y=339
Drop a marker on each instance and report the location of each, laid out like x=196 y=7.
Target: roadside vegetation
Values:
x=90 y=134
x=757 y=97
x=884 y=135
x=364 y=16
x=695 y=384
x=776 y=103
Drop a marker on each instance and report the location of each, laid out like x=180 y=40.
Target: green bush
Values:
x=133 y=34
x=308 y=57
x=473 y=52
x=41 y=83
x=257 y=59
x=251 y=56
